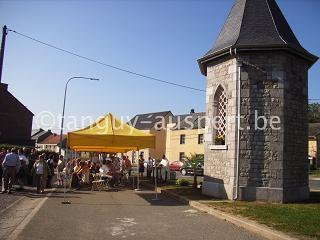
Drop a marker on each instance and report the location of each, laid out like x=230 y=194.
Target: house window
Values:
x=220 y=100
x=181 y=156
x=200 y=138
x=182 y=139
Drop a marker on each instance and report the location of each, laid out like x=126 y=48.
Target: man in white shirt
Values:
x=165 y=172
x=11 y=165
x=60 y=167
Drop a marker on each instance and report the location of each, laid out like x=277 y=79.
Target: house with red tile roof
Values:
x=52 y=143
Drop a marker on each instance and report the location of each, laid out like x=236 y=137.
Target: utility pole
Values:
x=3 y=44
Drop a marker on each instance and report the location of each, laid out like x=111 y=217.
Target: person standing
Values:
x=10 y=165
x=60 y=167
x=50 y=163
x=127 y=165
x=32 y=159
x=2 y=156
x=41 y=171
x=23 y=172
x=149 y=167
x=116 y=170
x=164 y=164
x=141 y=165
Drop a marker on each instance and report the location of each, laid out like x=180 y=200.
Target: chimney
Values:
x=192 y=110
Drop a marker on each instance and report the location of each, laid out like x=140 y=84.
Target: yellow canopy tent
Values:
x=110 y=134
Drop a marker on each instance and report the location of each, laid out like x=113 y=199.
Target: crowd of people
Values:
x=24 y=167
x=82 y=173
x=154 y=168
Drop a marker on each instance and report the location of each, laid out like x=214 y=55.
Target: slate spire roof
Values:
x=255 y=25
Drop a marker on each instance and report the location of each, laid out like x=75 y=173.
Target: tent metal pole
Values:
x=155 y=181
x=65 y=180
x=138 y=177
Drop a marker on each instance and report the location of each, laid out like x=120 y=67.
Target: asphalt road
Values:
x=125 y=215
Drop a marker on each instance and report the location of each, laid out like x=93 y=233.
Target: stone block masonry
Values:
x=259 y=65
x=274 y=162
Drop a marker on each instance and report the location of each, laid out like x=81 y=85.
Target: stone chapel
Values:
x=256 y=141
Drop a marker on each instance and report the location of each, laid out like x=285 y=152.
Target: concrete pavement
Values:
x=124 y=215
x=314 y=184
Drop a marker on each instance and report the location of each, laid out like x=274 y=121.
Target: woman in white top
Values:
x=164 y=168
x=105 y=170
x=60 y=168
x=41 y=171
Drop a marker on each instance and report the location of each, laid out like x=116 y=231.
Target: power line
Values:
x=105 y=64
x=115 y=67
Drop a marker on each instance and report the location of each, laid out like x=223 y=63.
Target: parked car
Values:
x=187 y=168
x=175 y=166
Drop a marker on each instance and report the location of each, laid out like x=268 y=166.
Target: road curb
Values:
x=245 y=223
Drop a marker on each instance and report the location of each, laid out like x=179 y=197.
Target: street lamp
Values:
x=64 y=104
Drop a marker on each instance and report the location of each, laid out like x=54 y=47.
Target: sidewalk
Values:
x=314 y=178
x=245 y=223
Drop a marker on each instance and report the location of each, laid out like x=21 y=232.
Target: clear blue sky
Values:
x=158 y=38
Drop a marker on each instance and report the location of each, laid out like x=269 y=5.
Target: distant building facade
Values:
x=185 y=136
x=52 y=143
x=256 y=66
x=154 y=123
x=177 y=136
x=15 y=119
x=38 y=135
x=314 y=145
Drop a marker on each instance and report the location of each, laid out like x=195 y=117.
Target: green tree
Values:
x=193 y=160
x=314 y=112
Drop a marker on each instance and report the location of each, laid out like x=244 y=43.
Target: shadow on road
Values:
x=150 y=197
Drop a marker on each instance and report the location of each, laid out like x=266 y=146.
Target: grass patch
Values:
x=301 y=219
x=186 y=191
x=172 y=184
x=315 y=173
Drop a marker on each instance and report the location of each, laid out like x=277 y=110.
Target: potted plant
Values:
x=220 y=140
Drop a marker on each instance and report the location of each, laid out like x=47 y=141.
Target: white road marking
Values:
x=27 y=219
x=191 y=212
x=121 y=227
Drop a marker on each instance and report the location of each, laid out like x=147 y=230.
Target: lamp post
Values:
x=64 y=104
